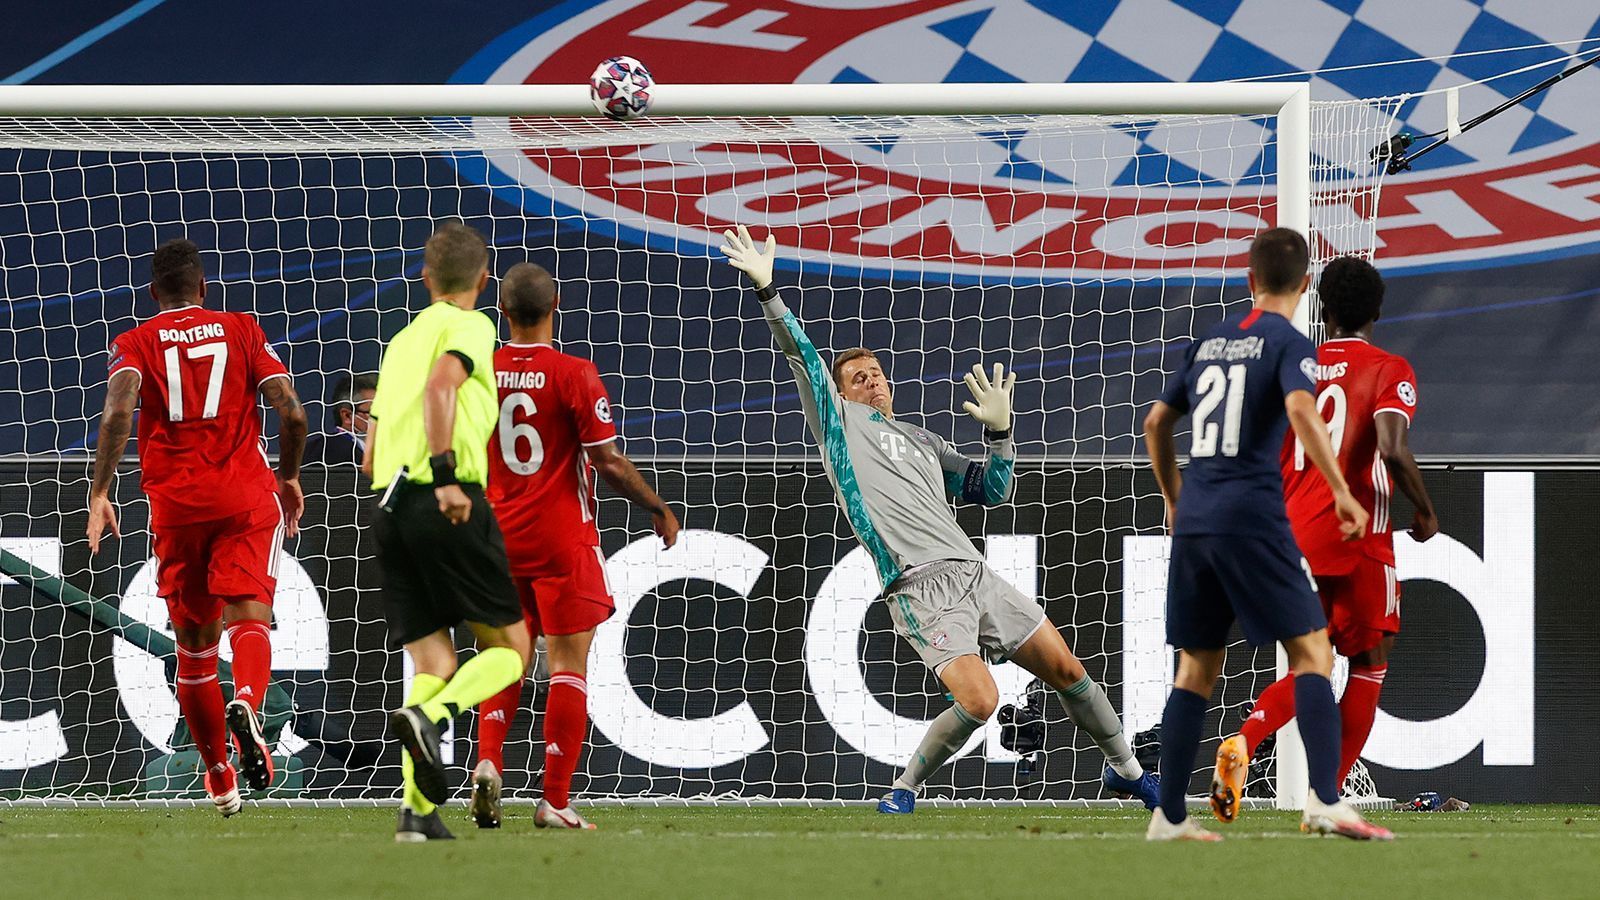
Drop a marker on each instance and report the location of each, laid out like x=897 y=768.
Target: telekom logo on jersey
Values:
x=1499 y=586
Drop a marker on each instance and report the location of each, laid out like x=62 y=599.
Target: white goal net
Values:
x=750 y=662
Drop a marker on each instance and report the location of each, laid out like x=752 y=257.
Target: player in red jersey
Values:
x=555 y=432
x=1368 y=397
x=217 y=514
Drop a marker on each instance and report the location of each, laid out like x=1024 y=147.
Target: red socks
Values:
x=566 y=720
x=1273 y=710
x=1357 y=709
x=200 y=698
x=494 y=720
x=252 y=660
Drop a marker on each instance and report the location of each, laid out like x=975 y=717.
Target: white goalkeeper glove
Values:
x=743 y=253
x=993 y=396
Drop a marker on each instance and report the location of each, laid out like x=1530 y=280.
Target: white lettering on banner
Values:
x=41 y=553
x=972 y=228
x=35 y=740
x=1444 y=210
x=833 y=662
x=1146 y=658
x=1542 y=189
x=1348 y=231
x=615 y=707
x=1499 y=586
x=849 y=4
x=299 y=641
x=683 y=24
x=1128 y=237
x=689 y=162
x=842 y=196
x=1499 y=716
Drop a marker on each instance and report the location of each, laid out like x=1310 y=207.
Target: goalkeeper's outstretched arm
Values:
x=817 y=391
x=988 y=482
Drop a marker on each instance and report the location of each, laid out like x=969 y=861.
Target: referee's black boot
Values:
x=414 y=829
x=419 y=735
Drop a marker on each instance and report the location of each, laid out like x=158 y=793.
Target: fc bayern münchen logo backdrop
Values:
x=1510 y=190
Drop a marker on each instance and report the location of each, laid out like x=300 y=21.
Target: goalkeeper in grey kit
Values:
x=895 y=482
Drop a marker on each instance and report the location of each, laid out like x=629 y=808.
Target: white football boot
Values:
x=1187 y=830
x=222 y=786
x=1341 y=819
x=547 y=816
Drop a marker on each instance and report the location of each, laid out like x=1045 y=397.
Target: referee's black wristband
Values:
x=992 y=436
x=764 y=294
x=444 y=468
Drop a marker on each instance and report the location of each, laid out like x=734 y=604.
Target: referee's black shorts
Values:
x=438 y=575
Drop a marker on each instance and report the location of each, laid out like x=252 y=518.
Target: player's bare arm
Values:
x=1312 y=431
x=280 y=395
x=439 y=421
x=116 y=424
x=625 y=478
x=1395 y=448
x=1158 y=425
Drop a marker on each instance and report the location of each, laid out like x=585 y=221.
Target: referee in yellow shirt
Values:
x=443 y=558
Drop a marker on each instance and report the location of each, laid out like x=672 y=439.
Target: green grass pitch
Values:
x=1490 y=851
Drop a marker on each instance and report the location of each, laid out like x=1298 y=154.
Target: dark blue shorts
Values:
x=1265 y=583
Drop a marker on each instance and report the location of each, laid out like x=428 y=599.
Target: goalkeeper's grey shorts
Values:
x=955 y=607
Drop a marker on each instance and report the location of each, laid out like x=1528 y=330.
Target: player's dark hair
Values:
x=346 y=389
x=527 y=294
x=454 y=255
x=853 y=353
x=1351 y=291
x=176 y=272
x=1279 y=259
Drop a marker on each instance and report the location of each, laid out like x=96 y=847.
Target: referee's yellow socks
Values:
x=483 y=676
x=424 y=687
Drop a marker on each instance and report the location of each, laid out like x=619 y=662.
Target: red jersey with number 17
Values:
x=1356 y=382
x=200 y=452
x=552 y=406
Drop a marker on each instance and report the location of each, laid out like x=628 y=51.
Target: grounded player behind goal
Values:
x=1233 y=555
x=554 y=431
x=217 y=516
x=1368 y=397
x=895 y=482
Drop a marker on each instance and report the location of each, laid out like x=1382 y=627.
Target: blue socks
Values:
x=1318 y=716
x=1184 y=720
x=1180 y=741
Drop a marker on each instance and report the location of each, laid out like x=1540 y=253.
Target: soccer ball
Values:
x=620 y=88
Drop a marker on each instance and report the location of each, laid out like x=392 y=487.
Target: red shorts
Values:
x=1363 y=605
x=201 y=566
x=567 y=595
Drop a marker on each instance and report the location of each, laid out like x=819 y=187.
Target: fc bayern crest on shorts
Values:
x=1498 y=194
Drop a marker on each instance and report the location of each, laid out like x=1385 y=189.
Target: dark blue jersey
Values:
x=1233 y=382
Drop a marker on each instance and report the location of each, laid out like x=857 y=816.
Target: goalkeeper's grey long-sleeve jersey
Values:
x=894 y=481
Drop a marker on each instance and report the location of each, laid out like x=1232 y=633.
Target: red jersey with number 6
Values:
x=200 y=453
x=1356 y=383
x=552 y=406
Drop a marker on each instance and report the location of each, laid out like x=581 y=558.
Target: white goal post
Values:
x=86 y=138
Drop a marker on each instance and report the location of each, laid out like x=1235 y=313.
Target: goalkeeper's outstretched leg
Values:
x=1046 y=654
x=1009 y=626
